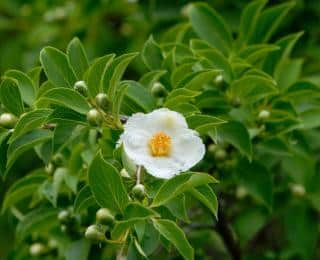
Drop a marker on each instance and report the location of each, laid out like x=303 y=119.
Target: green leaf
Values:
x=180 y=72
x=22 y=189
x=177 y=206
x=249 y=222
x=180 y=184
x=37 y=220
x=84 y=199
x=149 y=78
x=4 y=136
x=216 y=60
x=176 y=236
x=196 y=80
x=68 y=98
x=106 y=185
x=286 y=45
x=257 y=180
x=61 y=135
x=252 y=88
x=117 y=102
x=151 y=54
x=26 y=86
x=35 y=75
x=288 y=72
x=29 y=121
x=300 y=232
x=63 y=114
x=249 y=18
x=203 y=123
x=135 y=252
x=137 y=99
x=26 y=142
x=137 y=211
x=57 y=67
x=114 y=73
x=209 y=25
x=310 y=118
x=93 y=75
x=237 y=134
x=255 y=53
x=10 y=96
x=269 y=21
x=207 y=197
x=77 y=250
x=77 y=57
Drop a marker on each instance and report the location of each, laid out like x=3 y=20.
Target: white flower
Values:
x=162 y=143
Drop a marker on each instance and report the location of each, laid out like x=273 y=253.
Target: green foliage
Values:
x=239 y=84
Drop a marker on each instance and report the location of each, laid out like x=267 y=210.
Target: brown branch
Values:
x=225 y=230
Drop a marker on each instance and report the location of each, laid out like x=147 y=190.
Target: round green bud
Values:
x=94 y=233
x=8 y=120
x=94 y=117
x=64 y=217
x=241 y=192
x=220 y=154
x=236 y=102
x=103 y=101
x=298 y=190
x=81 y=87
x=138 y=191
x=212 y=148
x=264 y=114
x=49 y=169
x=158 y=90
x=219 y=81
x=58 y=159
x=37 y=249
x=104 y=217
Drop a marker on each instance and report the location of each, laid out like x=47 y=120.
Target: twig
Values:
x=16 y=213
x=138 y=174
x=224 y=229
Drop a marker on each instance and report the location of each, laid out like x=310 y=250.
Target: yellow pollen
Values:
x=160 y=144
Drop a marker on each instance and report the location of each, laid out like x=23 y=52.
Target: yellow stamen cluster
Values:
x=160 y=144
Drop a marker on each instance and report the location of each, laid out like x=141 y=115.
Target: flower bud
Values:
x=220 y=154
x=219 y=81
x=58 y=159
x=264 y=114
x=94 y=117
x=81 y=87
x=212 y=148
x=138 y=191
x=37 y=249
x=158 y=90
x=95 y=234
x=104 y=217
x=8 y=120
x=103 y=101
x=298 y=190
x=64 y=217
x=49 y=169
x=241 y=192
x=236 y=102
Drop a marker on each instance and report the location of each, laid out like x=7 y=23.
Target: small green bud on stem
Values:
x=8 y=120
x=158 y=90
x=104 y=217
x=220 y=154
x=37 y=249
x=298 y=190
x=103 y=101
x=94 y=117
x=95 y=234
x=264 y=114
x=81 y=87
x=138 y=191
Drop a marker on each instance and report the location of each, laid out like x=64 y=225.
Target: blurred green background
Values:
x=120 y=26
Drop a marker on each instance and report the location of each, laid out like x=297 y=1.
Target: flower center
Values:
x=160 y=144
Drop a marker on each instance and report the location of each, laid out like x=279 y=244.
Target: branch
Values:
x=224 y=229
